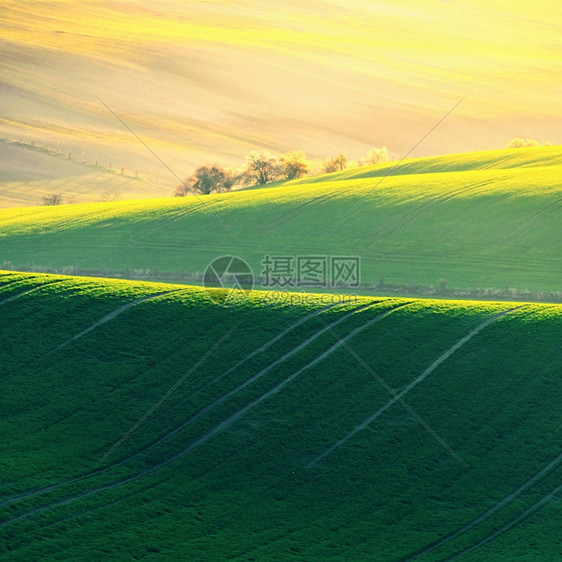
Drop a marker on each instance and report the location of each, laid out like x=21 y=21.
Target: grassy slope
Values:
x=245 y=492
x=485 y=160
x=490 y=220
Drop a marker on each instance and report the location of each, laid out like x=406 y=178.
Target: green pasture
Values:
x=476 y=222
x=141 y=420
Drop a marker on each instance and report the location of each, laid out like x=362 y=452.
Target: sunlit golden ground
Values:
x=210 y=80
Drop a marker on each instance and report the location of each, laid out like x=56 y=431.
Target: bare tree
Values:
x=205 y=180
x=294 y=165
x=109 y=196
x=329 y=166
x=261 y=168
x=377 y=155
x=335 y=163
x=231 y=178
x=52 y=199
x=181 y=190
x=341 y=161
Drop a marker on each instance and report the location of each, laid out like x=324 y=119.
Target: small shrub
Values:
x=52 y=199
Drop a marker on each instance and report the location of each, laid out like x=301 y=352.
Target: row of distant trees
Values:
x=263 y=167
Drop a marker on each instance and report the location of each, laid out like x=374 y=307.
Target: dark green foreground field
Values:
x=379 y=429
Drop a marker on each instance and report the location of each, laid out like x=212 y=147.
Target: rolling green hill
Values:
x=482 y=222
x=502 y=159
x=141 y=420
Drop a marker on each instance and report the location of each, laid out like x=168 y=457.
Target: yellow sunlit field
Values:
x=210 y=80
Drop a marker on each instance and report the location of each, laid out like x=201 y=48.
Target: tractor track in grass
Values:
x=292 y=213
x=113 y=314
x=201 y=440
x=511 y=524
x=398 y=396
x=40 y=491
x=193 y=418
x=110 y=316
x=530 y=222
x=411 y=215
x=88 y=218
x=13 y=281
x=254 y=378
x=263 y=347
x=253 y=354
x=147 y=232
x=28 y=291
x=489 y=512
x=132 y=494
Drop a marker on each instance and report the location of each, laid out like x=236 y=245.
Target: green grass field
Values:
x=477 y=221
x=378 y=428
x=406 y=410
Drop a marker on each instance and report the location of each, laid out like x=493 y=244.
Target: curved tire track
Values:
x=511 y=524
x=40 y=491
x=254 y=378
x=14 y=281
x=415 y=382
x=120 y=310
x=257 y=351
x=106 y=318
x=530 y=223
x=233 y=418
x=292 y=213
x=28 y=291
x=410 y=216
x=502 y=503
x=207 y=436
